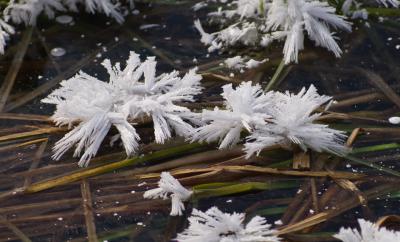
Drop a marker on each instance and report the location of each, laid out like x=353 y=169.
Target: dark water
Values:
x=119 y=214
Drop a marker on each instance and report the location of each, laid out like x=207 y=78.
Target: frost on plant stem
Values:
x=245 y=108
x=369 y=232
x=260 y=23
x=293 y=122
x=270 y=118
x=216 y=226
x=169 y=187
x=130 y=93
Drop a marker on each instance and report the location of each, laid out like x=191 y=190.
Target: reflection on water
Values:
x=111 y=204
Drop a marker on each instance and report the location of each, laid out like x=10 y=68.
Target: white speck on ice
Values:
x=57 y=52
x=148 y=26
x=64 y=19
x=394 y=120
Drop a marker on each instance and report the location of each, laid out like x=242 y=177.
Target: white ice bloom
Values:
x=245 y=108
x=369 y=232
x=292 y=122
x=242 y=9
x=294 y=17
x=199 y=6
x=240 y=63
x=246 y=8
x=244 y=33
x=216 y=226
x=205 y=37
x=5 y=31
x=360 y=14
x=108 y=7
x=169 y=187
x=130 y=93
x=270 y=118
x=235 y=62
x=253 y=63
x=27 y=11
x=262 y=22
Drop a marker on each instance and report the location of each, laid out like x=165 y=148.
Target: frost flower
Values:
x=291 y=122
x=216 y=226
x=245 y=108
x=259 y=23
x=369 y=233
x=169 y=187
x=108 y=7
x=289 y=19
x=27 y=11
x=131 y=93
x=240 y=63
x=270 y=118
x=5 y=31
x=244 y=33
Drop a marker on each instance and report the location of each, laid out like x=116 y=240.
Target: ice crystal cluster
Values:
x=27 y=11
x=270 y=118
x=92 y=106
x=169 y=187
x=241 y=63
x=261 y=22
x=216 y=226
x=369 y=232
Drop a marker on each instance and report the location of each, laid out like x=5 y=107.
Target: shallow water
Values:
x=116 y=209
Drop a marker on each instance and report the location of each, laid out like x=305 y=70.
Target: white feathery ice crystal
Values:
x=108 y=7
x=287 y=20
x=130 y=93
x=240 y=63
x=169 y=187
x=271 y=118
x=216 y=226
x=245 y=107
x=293 y=122
x=27 y=11
x=5 y=31
x=369 y=232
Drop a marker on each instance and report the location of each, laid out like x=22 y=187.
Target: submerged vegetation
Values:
x=180 y=142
